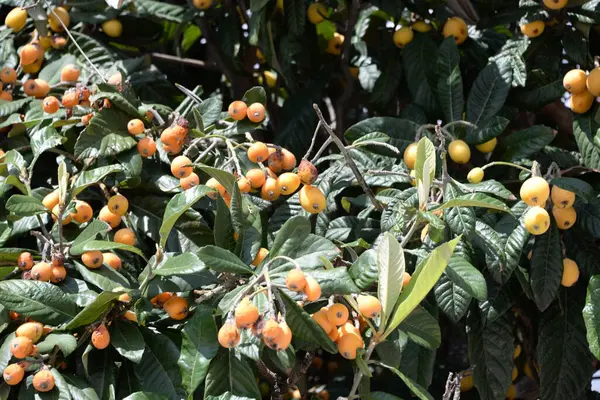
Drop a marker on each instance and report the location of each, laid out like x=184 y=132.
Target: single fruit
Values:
x=6 y=96
x=555 y=4
x=421 y=26
x=146 y=147
x=130 y=316
x=50 y=105
x=69 y=73
x=135 y=126
x=58 y=274
x=260 y=256
x=125 y=236
x=312 y=199
x=271 y=331
x=295 y=280
x=288 y=183
x=65 y=218
x=177 y=307
x=237 y=110
x=58 y=42
x=42 y=271
x=118 y=204
x=537 y=220
x=467 y=382
x=25 y=261
x=334 y=46
x=283 y=341
x=16 y=19
x=348 y=345
x=246 y=313
x=112 y=28
x=580 y=103
x=256 y=177
x=338 y=314
x=92 y=259
x=515 y=374
x=58 y=260
x=29 y=54
x=244 y=185
x=488 y=146
x=256 y=112
x=13 y=374
x=228 y=335
x=517 y=352
x=562 y=198
x=456 y=27
x=42 y=88
x=190 y=181
x=100 y=337
x=334 y=334
x=43 y=381
x=202 y=4
x=592 y=82
x=570 y=273
x=475 y=175
x=312 y=289
x=21 y=347
x=70 y=99
x=321 y=318
x=109 y=217
x=403 y=36
x=275 y=161
x=307 y=172
x=289 y=160
x=369 y=306
x=160 y=299
x=535 y=191
x=83 y=212
x=459 y=151
x=410 y=155
x=406 y=279
x=316 y=13
x=8 y=75
x=258 y=152
x=58 y=15
x=181 y=167
x=112 y=260
x=565 y=217
x=31 y=330
x=533 y=29
x=270 y=190
x=270 y=78
x=215 y=184
x=575 y=81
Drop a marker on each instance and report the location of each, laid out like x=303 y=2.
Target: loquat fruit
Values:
x=51 y=200
x=575 y=81
x=312 y=199
x=565 y=217
x=517 y=351
x=237 y=110
x=459 y=151
x=29 y=54
x=258 y=152
x=244 y=185
x=533 y=29
x=100 y=337
x=580 y=103
x=70 y=73
x=6 y=96
x=112 y=260
x=488 y=146
x=70 y=99
x=256 y=177
x=50 y=105
x=295 y=280
x=307 y=172
x=130 y=316
x=562 y=198
x=348 y=345
x=135 y=126
x=282 y=341
x=177 y=307
x=42 y=88
x=125 y=297
x=275 y=161
x=42 y=271
x=58 y=274
x=570 y=273
x=403 y=36
x=537 y=220
x=16 y=19
x=125 y=236
x=592 y=82
x=13 y=374
x=160 y=299
x=256 y=112
x=410 y=155
x=316 y=13
x=58 y=15
x=335 y=44
x=92 y=259
x=215 y=184
x=109 y=217
x=421 y=26
x=202 y=4
x=228 y=335
x=555 y=4
x=21 y=347
x=369 y=306
x=181 y=167
x=31 y=330
x=535 y=191
x=321 y=318
x=312 y=289
x=260 y=256
x=288 y=183
x=337 y=314
x=456 y=27
x=333 y=334
x=25 y=261
x=29 y=87
x=246 y=313
x=8 y=75
x=270 y=190
x=43 y=381
x=118 y=204
x=475 y=175
x=83 y=212
x=112 y=28
x=271 y=331
x=406 y=279
x=190 y=181
x=146 y=147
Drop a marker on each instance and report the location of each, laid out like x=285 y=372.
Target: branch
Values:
x=349 y=160
x=186 y=61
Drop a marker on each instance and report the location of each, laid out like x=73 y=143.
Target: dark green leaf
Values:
x=452 y=299
x=463 y=274
x=449 y=85
x=25 y=206
x=106 y=135
x=92 y=312
x=127 y=339
x=364 y=270
x=390 y=265
x=591 y=315
x=186 y=263
x=221 y=260
x=422 y=328
x=487 y=95
x=66 y=342
x=527 y=142
x=229 y=372
x=546 y=267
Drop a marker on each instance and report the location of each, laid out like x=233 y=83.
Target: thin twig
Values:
x=321 y=149
x=312 y=143
x=235 y=158
x=183 y=60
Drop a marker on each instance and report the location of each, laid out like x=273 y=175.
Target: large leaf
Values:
x=422 y=328
x=546 y=267
x=291 y=235
x=487 y=94
x=106 y=278
x=93 y=176
x=424 y=169
x=390 y=264
x=364 y=271
x=401 y=131
x=90 y=232
x=463 y=274
x=127 y=339
x=449 y=85
x=229 y=372
x=66 y=342
x=591 y=315
x=414 y=387
x=221 y=260
x=419 y=59
x=106 y=135
x=526 y=142
x=186 y=263
x=475 y=200
x=453 y=300
x=24 y=206
x=461 y=220
x=104 y=245
x=586 y=131
x=92 y=312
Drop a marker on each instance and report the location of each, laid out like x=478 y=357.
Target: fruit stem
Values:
x=358 y=376
x=312 y=143
x=507 y=164
x=235 y=158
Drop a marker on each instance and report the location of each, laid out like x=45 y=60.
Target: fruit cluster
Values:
x=584 y=88
x=177 y=307
x=454 y=27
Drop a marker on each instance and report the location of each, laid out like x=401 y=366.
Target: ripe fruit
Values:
x=246 y=313
x=176 y=307
x=271 y=331
x=312 y=199
x=334 y=46
x=270 y=190
x=406 y=279
x=160 y=299
x=488 y=146
x=275 y=161
x=25 y=261
x=8 y=75
x=537 y=220
x=130 y=316
x=125 y=297
x=535 y=191
x=6 y=96
x=215 y=184
x=92 y=259
x=258 y=152
x=190 y=181
x=410 y=155
x=321 y=318
x=307 y=172
x=562 y=198
x=555 y=4
x=66 y=218
x=256 y=112
x=58 y=260
x=29 y=54
x=135 y=126
x=56 y=16
x=109 y=217
x=118 y=204
x=283 y=341
x=369 y=306
x=467 y=382
x=574 y=81
x=70 y=99
x=16 y=19
x=146 y=147
x=112 y=28
x=58 y=42
x=517 y=351
x=403 y=36
x=13 y=374
x=295 y=280
x=43 y=381
x=244 y=185
x=289 y=159
x=181 y=167
x=112 y=260
x=533 y=29
x=228 y=336
x=312 y=289
x=42 y=88
x=31 y=330
x=69 y=73
x=42 y=271
x=564 y=217
x=338 y=314
x=316 y=13
x=348 y=345
x=202 y=4
x=288 y=183
x=256 y=177
x=83 y=212
x=125 y=236
x=592 y=82
x=570 y=273
x=260 y=256
x=100 y=337
x=50 y=104
x=580 y=103
x=237 y=110
x=421 y=26
x=459 y=151
x=456 y=27
x=475 y=175
x=21 y=347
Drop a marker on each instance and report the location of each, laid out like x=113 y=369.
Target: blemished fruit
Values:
x=338 y=314
x=421 y=26
x=228 y=335
x=260 y=256
x=312 y=199
x=177 y=307
x=535 y=191
x=246 y=313
x=215 y=184
x=21 y=347
x=562 y=198
x=537 y=220
x=316 y=13
x=258 y=152
x=459 y=151
x=271 y=331
x=488 y=146
x=100 y=337
x=307 y=172
x=135 y=126
x=146 y=147
x=237 y=110
x=42 y=271
x=570 y=273
x=348 y=345
x=31 y=330
x=92 y=259
x=83 y=212
x=403 y=36
x=112 y=260
x=43 y=381
x=334 y=46
x=256 y=177
x=275 y=161
x=25 y=261
x=295 y=280
x=475 y=175
x=555 y=4
x=112 y=28
x=410 y=155
x=244 y=185
x=321 y=318
x=457 y=28
x=288 y=183
x=130 y=316
x=190 y=181
x=592 y=82
x=369 y=306
x=312 y=289
x=125 y=236
x=109 y=217
x=118 y=204
x=256 y=112
x=565 y=217
x=181 y=167
x=16 y=19
x=574 y=81
x=270 y=190
x=6 y=96
x=8 y=75
x=533 y=29
x=50 y=105
x=58 y=15
x=580 y=103
x=202 y=4
x=13 y=374
x=283 y=341
x=70 y=99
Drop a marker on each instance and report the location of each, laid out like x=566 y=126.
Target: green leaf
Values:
x=487 y=95
x=304 y=327
x=145 y=395
x=390 y=265
x=198 y=346
x=92 y=312
x=51 y=71
x=164 y=11
x=106 y=135
x=177 y=206
x=11 y=107
x=414 y=387
x=459 y=219
x=333 y=281
x=424 y=169
x=586 y=130
x=229 y=372
x=493 y=128
x=93 y=176
x=5 y=354
x=581 y=188
x=295 y=16
x=546 y=267
x=41 y=301
x=106 y=278
x=422 y=281
x=401 y=131
x=43 y=139
x=466 y=276
x=66 y=342
x=257 y=94
x=514 y=247
x=453 y=300
x=379 y=396
x=474 y=200
x=449 y=85
x=127 y=340
x=90 y=232
x=364 y=270
x=419 y=59
x=186 y=263
x=118 y=100
x=526 y=142
x=221 y=260
x=210 y=109
x=591 y=315
x=25 y=206
x=422 y=328
x=291 y=235
x=104 y=245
